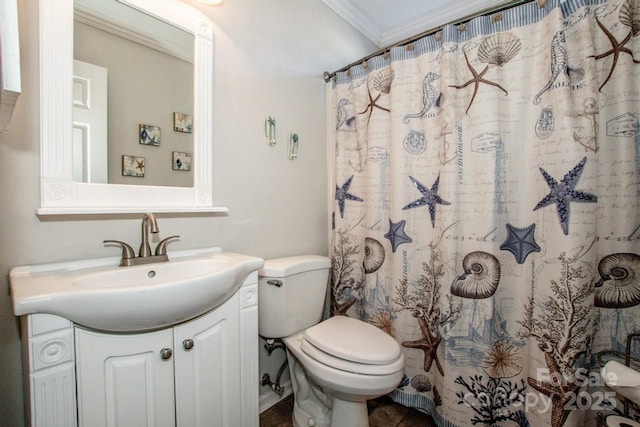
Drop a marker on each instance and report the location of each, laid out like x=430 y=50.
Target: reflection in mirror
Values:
x=60 y=193
x=130 y=70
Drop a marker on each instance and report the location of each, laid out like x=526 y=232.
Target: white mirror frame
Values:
x=61 y=195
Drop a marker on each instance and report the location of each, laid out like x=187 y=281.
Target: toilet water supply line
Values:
x=271 y=346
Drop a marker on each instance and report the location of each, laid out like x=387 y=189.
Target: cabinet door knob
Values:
x=188 y=344
x=166 y=353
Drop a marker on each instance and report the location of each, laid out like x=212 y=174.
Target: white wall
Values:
x=269 y=58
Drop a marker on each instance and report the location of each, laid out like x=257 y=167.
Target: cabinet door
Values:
x=123 y=379
x=208 y=369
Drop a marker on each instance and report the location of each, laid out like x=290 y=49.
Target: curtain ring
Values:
x=409 y=47
x=497 y=18
x=462 y=27
x=364 y=64
x=348 y=73
x=438 y=35
x=542 y=3
x=386 y=54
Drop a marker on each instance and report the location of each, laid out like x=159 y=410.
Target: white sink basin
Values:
x=99 y=294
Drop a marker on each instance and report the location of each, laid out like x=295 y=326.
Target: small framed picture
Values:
x=132 y=166
x=149 y=135
x=181 y=161
x=182 y=122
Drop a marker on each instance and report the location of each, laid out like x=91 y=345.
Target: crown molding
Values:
x=115 y=26
x=357 y=19
x=425 y=21
x=438 y=17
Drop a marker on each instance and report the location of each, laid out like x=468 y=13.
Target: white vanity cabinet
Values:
x=49 y=362
x=125 y=379
x=203 y=372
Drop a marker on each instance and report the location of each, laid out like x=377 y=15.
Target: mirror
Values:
x=60 y=193
x=133 y=73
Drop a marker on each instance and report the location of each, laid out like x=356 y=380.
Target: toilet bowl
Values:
x=351 y=375
x=336 y=365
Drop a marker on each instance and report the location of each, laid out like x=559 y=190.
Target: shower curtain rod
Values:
x=328 y=76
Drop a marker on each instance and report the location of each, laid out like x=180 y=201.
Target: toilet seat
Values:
x=353 y=346
x=349 y=366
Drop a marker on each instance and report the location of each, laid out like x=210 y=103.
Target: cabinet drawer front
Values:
x=44 y=323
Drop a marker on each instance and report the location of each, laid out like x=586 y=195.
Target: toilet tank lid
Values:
x=282 y=267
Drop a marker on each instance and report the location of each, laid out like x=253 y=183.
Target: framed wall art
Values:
x=183 y=122
x=132 y=166
x=149 y=135
x=181 y=161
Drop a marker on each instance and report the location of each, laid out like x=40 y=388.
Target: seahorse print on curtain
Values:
x=559 y=66
x=430 y=97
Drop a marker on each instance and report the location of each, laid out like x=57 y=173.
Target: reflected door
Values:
x=89 y=123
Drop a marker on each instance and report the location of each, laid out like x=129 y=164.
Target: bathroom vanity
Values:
x=197 y=372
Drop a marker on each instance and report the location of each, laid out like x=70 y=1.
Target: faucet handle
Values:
x=127 y=251
x=161 y=249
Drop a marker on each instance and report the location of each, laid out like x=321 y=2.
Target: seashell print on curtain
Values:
x=486 y=212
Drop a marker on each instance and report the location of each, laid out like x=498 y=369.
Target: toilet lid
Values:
x=348 y=366
x=353 y=340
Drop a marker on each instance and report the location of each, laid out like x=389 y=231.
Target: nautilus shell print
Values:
x=373 y=255
x=629 y=15
x=382 y=81
x=499 y=49
x=619 y=284
x=480 y=278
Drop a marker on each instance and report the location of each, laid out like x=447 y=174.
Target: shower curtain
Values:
x=486 y=210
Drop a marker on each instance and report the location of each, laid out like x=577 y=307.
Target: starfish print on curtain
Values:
x=382 y=82
x=423 y=298
x=429 y=198
x=520 y=242
x=342 y=194
x=564 y=192
x=497 y=49
x=396 y=234
x=628 y=16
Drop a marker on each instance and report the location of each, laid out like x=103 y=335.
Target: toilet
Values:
x=336 y=365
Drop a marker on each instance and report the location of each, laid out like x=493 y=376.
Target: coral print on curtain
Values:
x=486 y=211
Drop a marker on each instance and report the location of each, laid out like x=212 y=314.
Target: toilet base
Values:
x=328 y=397
x=313 y=407
x=345 y=413
x=310 y=404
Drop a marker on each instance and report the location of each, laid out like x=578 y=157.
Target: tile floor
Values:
x=383 y=412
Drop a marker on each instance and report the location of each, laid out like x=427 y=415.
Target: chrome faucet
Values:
x=149 y=224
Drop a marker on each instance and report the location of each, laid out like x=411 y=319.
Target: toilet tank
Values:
x=291 y=293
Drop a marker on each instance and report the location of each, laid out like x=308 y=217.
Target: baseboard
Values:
x=268 y=397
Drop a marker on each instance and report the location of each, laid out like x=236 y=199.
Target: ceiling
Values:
x=386 y=22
